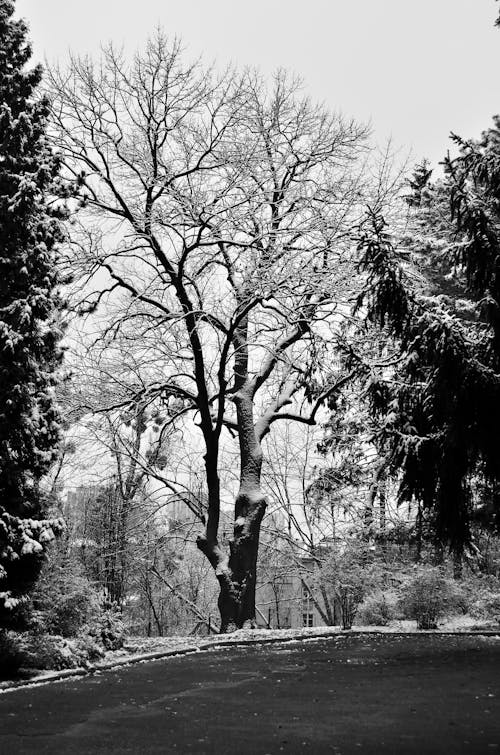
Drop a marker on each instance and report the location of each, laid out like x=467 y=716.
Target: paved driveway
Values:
x=346 y=694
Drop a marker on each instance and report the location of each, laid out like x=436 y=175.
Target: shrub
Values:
x=347 y=576
x=47 y=652
x=31 y=650
x=492 y=608
x=484 y=596
x=70 y=610
x=486 y=606
x=376 y=611
x=53 y=652
x=107 y=628
x=428 y=597
x=88 y=648
x=64 y=626
x=63 y=600
x=349 y=597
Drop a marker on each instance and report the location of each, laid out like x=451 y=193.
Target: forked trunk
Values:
x=237 y=571
x=237 y=578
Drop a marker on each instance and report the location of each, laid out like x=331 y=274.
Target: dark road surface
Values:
x=349 y=694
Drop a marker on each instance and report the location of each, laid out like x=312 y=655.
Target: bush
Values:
x=428 y=597
x=47 y=652
x=375 y=611
x=347 y=576
x=486 y=606
x=64 y=625
x=484 y=596
x=63 y=600
x=54 y=653
x=30 y=650
x=108 y=628
x=492 y=608
x=88 y=649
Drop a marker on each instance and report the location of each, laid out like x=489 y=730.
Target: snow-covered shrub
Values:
x=71 y=610
x=428 y=597
x=484 y=598
x=108 y=628
x=32 y=650
x=375 y=611
x=88 y=648
x=48 y=652
x=54 y=653
x=492 y=608
x=348 y=576
x=63 y=601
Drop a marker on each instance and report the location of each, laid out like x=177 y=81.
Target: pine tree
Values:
x=29 y=314
x=439 y=410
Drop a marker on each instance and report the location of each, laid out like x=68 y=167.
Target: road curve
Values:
x=385 y=694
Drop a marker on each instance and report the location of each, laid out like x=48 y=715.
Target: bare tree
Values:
x=215 y=234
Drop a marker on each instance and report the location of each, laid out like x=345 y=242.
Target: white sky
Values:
x=416 y=68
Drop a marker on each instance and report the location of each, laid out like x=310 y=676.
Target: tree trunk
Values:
x=277 y=607
x=382 y=501
x=368 y=512
x=330 y=614
x=418 y=529
x=238 y=578
x=315 y=602
x=458 y=566
x=237 y=571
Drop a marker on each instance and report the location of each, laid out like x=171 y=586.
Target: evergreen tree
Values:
x=29 y=309
x=440 y=409
x=438 y=293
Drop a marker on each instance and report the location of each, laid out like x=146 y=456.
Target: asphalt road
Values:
x=385 y=694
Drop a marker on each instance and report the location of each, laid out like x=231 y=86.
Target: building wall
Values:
x=284 y=603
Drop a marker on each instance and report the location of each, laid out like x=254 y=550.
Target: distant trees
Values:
x=216 y=231
x=320 y=550
x=129 y=521
x=146 y=566
x=29 y=321
x=346 y=576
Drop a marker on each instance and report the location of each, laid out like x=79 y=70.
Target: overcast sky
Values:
x=416 y=69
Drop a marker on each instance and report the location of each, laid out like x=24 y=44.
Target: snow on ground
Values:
x=136 y=648
x=152 y=644
x=143 y=645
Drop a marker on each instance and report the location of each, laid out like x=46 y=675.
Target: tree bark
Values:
x=237 y=571
x=238 y=578
x=328 y=607
x=419 y=533
x=383 y=515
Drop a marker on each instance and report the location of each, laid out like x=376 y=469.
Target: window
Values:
x=307 y=619
x=307 y=608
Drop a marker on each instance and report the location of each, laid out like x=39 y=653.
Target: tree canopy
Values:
x=215 y=238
